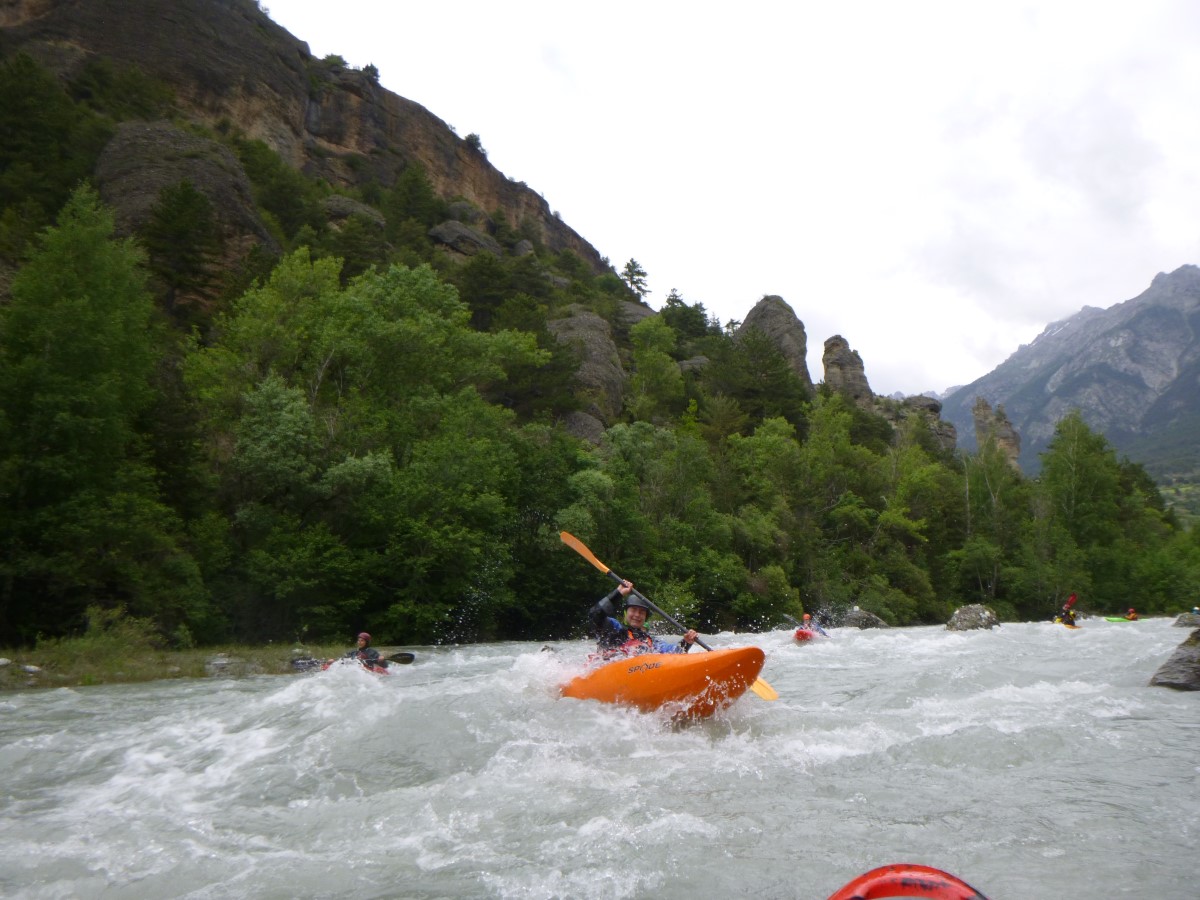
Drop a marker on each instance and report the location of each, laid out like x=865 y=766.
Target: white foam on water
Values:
x=465 y=774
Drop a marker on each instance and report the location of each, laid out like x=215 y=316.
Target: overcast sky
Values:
x=934 y=181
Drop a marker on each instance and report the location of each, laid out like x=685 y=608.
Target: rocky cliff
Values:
x=777 y=320
x=229 y=63
x=232 y=69
x=845 y=372
x=993 y=424
x=1133 y=371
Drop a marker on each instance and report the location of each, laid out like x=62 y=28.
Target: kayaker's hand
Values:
x=624 y=588
x=690 y=636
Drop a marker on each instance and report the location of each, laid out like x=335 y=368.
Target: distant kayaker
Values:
x=365 y=653
x=630 y=638
x=1131 y=615
x=812 y=624
x=1067 y=616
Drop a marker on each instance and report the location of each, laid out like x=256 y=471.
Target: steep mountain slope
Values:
x=1132 y=370
x=228 y=63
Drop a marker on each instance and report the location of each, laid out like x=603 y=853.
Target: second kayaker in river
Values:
x=630 y=637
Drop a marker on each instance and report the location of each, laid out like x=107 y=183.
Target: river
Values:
x=1031 y=761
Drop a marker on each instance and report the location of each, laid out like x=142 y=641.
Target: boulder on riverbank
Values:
x=1187 y=620
x=971 y=617
x=860 y=618
x=1182 y=670
x=224 y=666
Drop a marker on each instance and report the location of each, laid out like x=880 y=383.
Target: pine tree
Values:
x=635 y=277
x=183 y=243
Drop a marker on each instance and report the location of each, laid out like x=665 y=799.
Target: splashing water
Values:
x=1031 y=761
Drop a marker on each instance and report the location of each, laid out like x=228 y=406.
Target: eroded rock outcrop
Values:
x=972 y=617
x=860 y=618
x=463 y=240
x=775 y=319
x=600 y=376
x=844 y=372
x=994 y=425
x=929 y=411
x=143 y=158
x=339 y=210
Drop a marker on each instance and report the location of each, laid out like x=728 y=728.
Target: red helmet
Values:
x=363 y=635
x=1131 y=609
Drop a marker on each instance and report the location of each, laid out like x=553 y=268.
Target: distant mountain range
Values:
x=1133 y=371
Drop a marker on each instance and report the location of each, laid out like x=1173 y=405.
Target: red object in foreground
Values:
x=805 y=634
x=907 y=880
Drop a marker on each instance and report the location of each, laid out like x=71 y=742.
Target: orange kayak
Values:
x=694 y=684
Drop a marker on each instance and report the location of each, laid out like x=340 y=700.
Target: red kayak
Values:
x=907 y=880
x=805 y=634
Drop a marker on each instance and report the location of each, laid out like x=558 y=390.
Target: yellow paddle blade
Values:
x=581 y=548
x=764 y=690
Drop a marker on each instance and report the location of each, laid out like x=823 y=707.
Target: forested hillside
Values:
x=343 y=425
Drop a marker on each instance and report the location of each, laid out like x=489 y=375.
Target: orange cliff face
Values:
x=230 y=66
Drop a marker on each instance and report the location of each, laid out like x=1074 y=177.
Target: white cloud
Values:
x=935 y=181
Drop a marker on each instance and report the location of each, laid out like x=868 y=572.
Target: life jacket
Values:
x=625 y=641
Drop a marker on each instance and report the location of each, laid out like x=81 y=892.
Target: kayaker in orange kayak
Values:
x=629 y=638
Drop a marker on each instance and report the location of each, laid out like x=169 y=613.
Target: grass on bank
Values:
x=117 y=649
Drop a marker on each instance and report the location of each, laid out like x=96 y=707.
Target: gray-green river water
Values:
x=1031 y=761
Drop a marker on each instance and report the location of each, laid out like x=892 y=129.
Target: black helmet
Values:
x=635 y=600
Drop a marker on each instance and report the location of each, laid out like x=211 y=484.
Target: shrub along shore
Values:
x=120 y=658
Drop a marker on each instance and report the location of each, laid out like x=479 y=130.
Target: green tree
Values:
x=183 y=243
x=372 y=470
x=359 y=242
x=83 y=522
x=1082 y=478
x=49 y=146
x=634 y=277
x=411 y=198
x=121 y=92
x=656 y=386
x=752 y=371
x=1113 y=515
x=292 y=200
x=996 y=509
x=689 y=321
